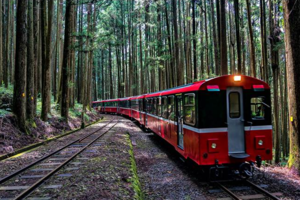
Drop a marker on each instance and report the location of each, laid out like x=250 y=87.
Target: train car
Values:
x=137 y=109
x=223 y=124
x=124 y=107
x=97 y=105
x=110 y=106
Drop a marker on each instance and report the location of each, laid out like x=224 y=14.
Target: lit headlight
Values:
x=213 y=145
x=260 y=142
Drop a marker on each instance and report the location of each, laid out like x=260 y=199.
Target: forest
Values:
x=68 y=52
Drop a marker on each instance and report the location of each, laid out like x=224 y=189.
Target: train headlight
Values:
x=237 y=78
x=260 y=142
x=213 y=145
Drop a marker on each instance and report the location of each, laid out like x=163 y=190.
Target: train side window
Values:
x=158 y=101
x=165 y=107
x=171 y=110
x=234 y=105
x=258 y=108
x=154 y=111
x=150 y=106
x=189 y=109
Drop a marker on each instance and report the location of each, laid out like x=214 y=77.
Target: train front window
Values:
x=234 y=105
x=258 y=107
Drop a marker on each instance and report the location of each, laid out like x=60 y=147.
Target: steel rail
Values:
x=39 y=182
x=228 y=191
x=8 y=177
x=262 y=190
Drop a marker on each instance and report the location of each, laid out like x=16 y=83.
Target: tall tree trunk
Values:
x=30 y=65
x=252 y=46
x=215 y=38
x=36 y=45
x=46 y=48
x=238 y=39
x=7 y=49
x=274 y=39
x=263 y=27
x=223 y=41
x=66 y=56
x=195 y=40
x=19 y=99
x=110 y=72
x=292 y=46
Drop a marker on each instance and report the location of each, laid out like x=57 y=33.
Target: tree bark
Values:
x=223 y=41
x=252 y=47
x=292 y=46
x=19 y=99
x=238 y=39
x=66 y=56
x=30 y=65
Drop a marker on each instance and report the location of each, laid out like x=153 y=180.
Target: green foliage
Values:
x=7 y=91
x=3 y=112
x=134 y=179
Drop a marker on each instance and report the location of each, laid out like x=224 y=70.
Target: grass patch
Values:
x=134 y=179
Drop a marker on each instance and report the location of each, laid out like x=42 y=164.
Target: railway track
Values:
x=13 y=189
x=263 y=194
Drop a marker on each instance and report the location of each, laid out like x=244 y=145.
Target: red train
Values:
x=222 y=123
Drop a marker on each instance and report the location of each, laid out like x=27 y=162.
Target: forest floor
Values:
x=11 y=138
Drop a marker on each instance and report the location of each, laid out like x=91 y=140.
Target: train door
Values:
x=235 y=120
x=179 y=116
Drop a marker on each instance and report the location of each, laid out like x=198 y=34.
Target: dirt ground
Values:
x=11 y=138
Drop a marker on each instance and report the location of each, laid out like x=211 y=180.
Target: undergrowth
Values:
x=134 y=179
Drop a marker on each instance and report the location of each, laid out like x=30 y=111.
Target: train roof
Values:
x=125 y=98
x=110 y=100
x=221 y=82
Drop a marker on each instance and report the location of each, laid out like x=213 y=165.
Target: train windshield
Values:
x=258 y=108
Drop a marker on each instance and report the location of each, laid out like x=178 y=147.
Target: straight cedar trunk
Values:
x=159 y=49
x=194 y=40
x=206 y=41
x=141 y=63
x=30 y=65
x=46 y=48
x=13 y=42
x=243 y=44
x=263 y=27
x=58 y=49
x=223 y=41
x=36 y=51
x=102 y=72
x=215 y=38
x=252 y=46
x=274 y=39
x=237 y=32
x=176 y=45
x=66 y=56
x=19 y=99
x=171 y=74
x=292 y=46
x=110 y=73
x=7 y=49
x=1 y=45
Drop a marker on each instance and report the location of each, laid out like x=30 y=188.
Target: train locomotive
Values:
x=222 y=124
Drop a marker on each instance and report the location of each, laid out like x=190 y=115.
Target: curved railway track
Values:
x=60 y=154
x=263 y=194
